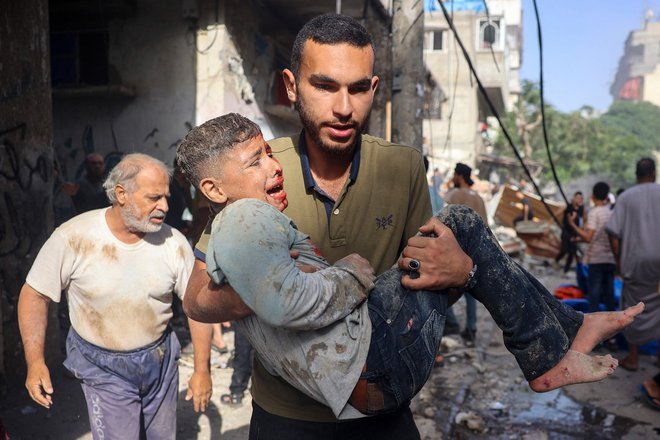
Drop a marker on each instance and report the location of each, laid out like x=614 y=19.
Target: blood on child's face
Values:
x=251 y=171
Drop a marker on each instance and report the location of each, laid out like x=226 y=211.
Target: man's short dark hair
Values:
x=578 y=193
x=645 y=168
x=206 y=144
x=601 y=191
x=329 y=29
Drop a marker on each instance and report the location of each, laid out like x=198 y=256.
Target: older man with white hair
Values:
x=119 y=267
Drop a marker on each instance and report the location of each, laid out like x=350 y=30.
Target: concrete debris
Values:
x=449 y=343
x=472 y=421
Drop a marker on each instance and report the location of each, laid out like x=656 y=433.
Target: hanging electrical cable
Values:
x=543 y=124
x=505 y=132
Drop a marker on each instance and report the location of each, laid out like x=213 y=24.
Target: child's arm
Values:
x=250 y=249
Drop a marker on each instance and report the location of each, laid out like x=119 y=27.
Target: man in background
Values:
x=634 y=230
x=119 y=267
x=462 y=194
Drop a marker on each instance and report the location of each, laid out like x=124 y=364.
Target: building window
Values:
x=79 y=58
x=489 y=34
x=434 y=40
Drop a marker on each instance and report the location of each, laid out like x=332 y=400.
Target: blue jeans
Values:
x=600 y=288
x=407 y=325
x=242 y=363
x=470 y=312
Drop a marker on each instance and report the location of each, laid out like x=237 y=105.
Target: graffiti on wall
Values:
x=18 y=177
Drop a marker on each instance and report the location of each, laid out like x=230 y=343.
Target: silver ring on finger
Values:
x=414 y=265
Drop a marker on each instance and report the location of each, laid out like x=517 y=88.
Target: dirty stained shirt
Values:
x=313 y=330
x=119 y=294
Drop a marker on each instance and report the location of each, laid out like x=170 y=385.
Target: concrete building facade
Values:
x=638 y=75
x=457 y=118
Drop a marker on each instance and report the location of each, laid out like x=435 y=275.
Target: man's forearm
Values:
x=207 y=302
x=200 y=334
x=32 y=322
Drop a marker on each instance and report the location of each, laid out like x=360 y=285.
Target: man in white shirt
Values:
x=119 y=267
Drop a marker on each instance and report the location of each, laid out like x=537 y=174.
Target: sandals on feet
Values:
x=626 y=366
x=221 y=350
x=232 y=399
x=653 y=402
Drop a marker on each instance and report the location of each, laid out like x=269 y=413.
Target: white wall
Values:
x=153 y=53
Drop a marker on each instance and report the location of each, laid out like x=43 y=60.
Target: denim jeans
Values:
x=242 y=363
x=407 y=325
x=600 y=288
x=470 y=314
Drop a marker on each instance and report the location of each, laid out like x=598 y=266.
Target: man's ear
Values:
x=212 y=190
x=120 y=194
x=290 y=84
x=374 y=83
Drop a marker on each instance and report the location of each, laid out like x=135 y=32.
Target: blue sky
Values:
x=582 y=43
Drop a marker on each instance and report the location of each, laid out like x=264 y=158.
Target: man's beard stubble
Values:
x=136 y=224
x=314 y=129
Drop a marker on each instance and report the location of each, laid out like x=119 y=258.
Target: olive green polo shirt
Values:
x=383 y=204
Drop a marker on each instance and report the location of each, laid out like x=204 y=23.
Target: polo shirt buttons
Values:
x=336 y=211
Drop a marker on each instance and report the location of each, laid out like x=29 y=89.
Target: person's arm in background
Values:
x=615 y=246
x=200 y=385
x=586 y=234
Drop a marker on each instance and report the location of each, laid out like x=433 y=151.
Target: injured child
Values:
x=339 y=334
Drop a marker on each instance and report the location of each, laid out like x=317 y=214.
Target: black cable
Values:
x=450 y=22
x=545 y=130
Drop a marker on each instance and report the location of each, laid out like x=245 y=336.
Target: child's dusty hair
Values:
x=204 y=146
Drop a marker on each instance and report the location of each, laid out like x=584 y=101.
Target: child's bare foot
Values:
x=600 y=326
x=575 y=367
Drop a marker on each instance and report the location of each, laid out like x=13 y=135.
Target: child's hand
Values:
x=358 y=264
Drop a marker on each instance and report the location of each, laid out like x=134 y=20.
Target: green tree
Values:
x=582 y=143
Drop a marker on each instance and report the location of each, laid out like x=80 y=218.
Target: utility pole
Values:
x=408 y=72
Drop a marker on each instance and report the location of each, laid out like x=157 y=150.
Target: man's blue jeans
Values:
x=407 y=325
x=600 y=286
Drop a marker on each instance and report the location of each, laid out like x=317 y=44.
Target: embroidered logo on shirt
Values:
x=384 y=222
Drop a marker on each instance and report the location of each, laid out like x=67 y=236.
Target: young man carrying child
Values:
x=317 y=331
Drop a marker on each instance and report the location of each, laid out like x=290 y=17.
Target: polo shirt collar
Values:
x=308 y=179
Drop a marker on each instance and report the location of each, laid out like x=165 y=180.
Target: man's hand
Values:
x=200 y=390
x=359 y=264
x=39 y=385
x=32 y=322
x=443 y=263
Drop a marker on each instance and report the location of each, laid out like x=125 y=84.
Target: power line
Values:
x=505 y=132
x=545 y=130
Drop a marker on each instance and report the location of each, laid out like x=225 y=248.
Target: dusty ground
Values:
x=479 y=393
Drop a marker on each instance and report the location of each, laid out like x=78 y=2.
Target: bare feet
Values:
x=600 y=326
x=575 y=367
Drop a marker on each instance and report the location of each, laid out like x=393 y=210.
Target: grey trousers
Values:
x=129 y=395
